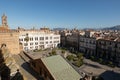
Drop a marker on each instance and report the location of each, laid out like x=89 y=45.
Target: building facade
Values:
x=108 y=50
x=70 y=39
x=87 y=43
x=9 y=37
x=63 y=37
x=103 y=44
x=38 y=39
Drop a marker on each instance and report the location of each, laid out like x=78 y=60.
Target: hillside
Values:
x=117 y=27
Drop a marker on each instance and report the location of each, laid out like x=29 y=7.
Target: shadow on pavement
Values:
x=27 y=67
x=110 y=75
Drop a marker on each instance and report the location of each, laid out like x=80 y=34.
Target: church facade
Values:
x=9 y=37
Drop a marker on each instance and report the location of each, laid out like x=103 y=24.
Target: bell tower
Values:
x=4 y=21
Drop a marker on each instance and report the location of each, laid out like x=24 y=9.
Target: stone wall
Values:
x=11 y=39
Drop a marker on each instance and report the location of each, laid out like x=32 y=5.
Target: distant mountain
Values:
x=59 y=29
x=88 y=29
x=117 y=27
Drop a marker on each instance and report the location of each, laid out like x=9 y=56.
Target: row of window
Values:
x=108 y=43
x=36 y=47
x=88 y=41
x=36 y=43
x=40 y=38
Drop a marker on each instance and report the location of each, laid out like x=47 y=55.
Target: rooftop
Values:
x=60 y=69
x=37 y=55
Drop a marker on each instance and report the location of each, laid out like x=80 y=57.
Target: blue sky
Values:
x=61 y=13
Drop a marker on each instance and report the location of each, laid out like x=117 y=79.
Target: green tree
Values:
x=78 y=63
x=100 y=60
x=26 y=38
x=53 y=52
x=111 y=64
x=92 y=58
x=63 y=51
x=80 y=56
x=70 y=57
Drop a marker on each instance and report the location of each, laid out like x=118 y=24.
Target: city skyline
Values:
x=61 y=13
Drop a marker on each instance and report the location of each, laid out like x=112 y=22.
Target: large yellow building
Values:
x=9 y=37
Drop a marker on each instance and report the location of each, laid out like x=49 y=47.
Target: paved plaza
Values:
x=89 y=67
x=95 y=69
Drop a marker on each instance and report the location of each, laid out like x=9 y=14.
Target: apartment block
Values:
x=108 y=48
x=87 y=43
x=38 y=39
